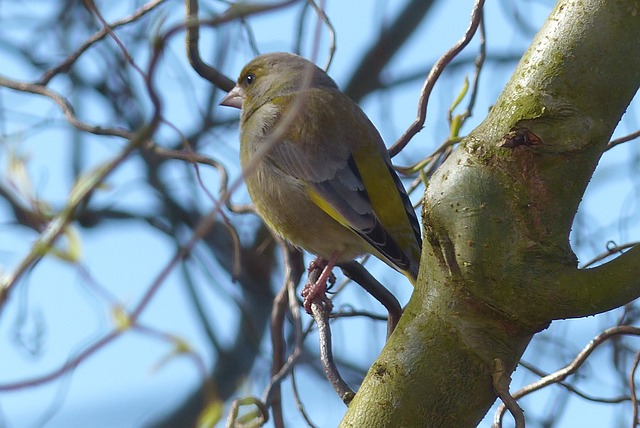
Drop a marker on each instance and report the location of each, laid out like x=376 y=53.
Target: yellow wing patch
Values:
x=326 y=207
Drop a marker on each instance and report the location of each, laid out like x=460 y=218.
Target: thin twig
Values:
x=478 y=63
x=65 y=106
x=611 y=250
x=195 y=157
x=294 y=268
x=501 y=381
x=433 y=77
x=576 y=391
x=68 y=62
x=262 y=418
x=632 y=388
x=298 y=401
x=347 y=311
x=623 y=139
x=321 y=317
x=569 y=369
x=332 y=34
x=192 y=37
x=65 y=368
x=93 y=8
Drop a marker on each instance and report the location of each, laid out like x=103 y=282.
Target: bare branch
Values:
x=576 y=391
x=258 y=419
x=235 y=11
x=612 y=249
x=66 y=65
x=632 y=388
x=294 y=268
x=571 y=368
x=321 y=317
x=623 y=139
x=501 y=381
x=332 y=34
x=192 y=38
x=432 y=78
x=65 y=106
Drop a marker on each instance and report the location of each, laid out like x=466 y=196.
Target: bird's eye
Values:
x=249 y=78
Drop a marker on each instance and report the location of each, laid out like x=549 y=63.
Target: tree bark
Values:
x=497 y=266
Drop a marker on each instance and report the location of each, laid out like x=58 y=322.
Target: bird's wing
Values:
x=339 y=174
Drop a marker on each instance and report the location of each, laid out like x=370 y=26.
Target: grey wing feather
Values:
x=346 y=193
x=365 y=223
x=335 y=178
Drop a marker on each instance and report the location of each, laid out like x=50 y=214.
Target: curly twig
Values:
x=68 y=62
x=612 y=249
x=433 y=77
x=193 y=53
x=192 y=37
x=332 y=35
x=262 y=417
x=65 y=106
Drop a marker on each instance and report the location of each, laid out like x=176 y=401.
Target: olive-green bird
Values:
x=317 y=169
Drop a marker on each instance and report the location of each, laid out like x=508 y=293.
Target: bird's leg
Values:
x=315 y=292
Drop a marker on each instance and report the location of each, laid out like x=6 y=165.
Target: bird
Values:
x=318 y=171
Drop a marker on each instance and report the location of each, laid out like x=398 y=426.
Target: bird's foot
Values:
x=316 y=292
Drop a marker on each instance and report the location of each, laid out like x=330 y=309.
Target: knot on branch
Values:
x=520 y=137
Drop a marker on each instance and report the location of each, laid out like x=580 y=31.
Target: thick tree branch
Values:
x=592 y=291
x=496 y=218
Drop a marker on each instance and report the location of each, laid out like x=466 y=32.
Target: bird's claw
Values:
x=316 y=292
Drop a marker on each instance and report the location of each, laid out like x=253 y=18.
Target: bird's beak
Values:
x=234 y=98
